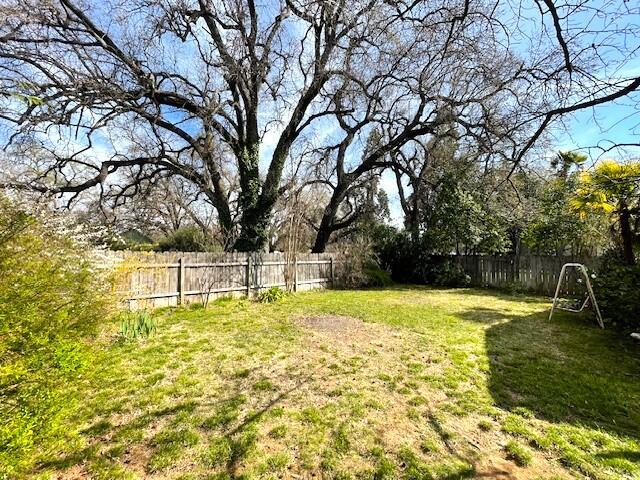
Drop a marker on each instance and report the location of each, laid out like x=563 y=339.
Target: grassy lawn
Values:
x=410 y=383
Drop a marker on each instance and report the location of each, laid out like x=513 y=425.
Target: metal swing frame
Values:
x=590 y=297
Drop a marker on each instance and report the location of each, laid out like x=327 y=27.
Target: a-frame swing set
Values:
x=590 y=297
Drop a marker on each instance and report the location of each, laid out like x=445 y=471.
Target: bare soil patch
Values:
x=352 y=331
x=332 y=323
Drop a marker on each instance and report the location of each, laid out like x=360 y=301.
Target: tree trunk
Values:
x=219 y=201
x=325 y=230
x=627 y=236
x=217 y=195
x=254 y=221
x=414 y=228
x=322 y=239
x=328 y=219
x=257 y=199
x=254 y=230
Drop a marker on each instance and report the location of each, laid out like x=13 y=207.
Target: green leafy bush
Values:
x=187 y=239
x=617 y=291
x=137 y=325
x=376 y=276
x=51 y=298
x=271 y=295
x=358 y=265
x=410 y=261
x=445 y=272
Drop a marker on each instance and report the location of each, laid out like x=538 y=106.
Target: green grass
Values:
x=518 y=453
x=435 y=384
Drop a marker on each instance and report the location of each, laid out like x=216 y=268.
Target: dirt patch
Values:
x=352 y=336
x=496 y=468
x=332 y=323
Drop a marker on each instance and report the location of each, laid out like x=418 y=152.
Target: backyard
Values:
x=319 y=239
x=405 y=382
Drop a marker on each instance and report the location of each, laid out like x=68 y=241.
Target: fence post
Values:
x=180 y=281
x=295 y=274
x=331 y=270
x=248 y=275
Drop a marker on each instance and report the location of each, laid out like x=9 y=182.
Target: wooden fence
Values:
x=150 y=280
x=537 y=274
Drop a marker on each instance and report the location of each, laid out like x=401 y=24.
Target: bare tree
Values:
x=458 y=74
x=211 y=91
x=164 y=207
x=207 y=280
x=189 y=80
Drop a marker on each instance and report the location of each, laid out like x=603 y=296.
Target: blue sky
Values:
x=608 y=124
x=614 y=123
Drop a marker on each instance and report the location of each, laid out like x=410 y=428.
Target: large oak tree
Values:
x=224 y=93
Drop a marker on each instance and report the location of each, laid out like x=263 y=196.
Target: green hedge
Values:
x=617 y=289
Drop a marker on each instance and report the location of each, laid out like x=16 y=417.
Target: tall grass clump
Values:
x=137 y=325
x=50 y=299
x=271 y=295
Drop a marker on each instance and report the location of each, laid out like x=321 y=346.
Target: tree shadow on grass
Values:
x=235 y=436
x=102 y=433
x=564 y=370
x=631 y=455
x=241 y=439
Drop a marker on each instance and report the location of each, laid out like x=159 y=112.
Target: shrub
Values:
x=136 y=325
x=617 y=292
x=410 y=261
x=376 y=276
x=271 y=295
x=187 y=239
x=396 y=254
x=445 y=272
x=358 y=265
x=51 y=298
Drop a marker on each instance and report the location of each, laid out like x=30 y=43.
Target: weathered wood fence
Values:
x=537 y=274
x=150 y=280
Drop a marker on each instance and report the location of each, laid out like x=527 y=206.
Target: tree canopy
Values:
x=246 y=101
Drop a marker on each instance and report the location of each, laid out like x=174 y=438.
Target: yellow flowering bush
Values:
x=51 y=297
